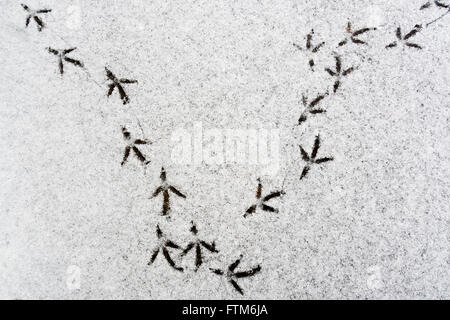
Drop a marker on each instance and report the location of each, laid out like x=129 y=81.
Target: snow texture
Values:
x=372 y=223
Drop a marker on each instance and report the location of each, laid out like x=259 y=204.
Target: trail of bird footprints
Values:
x=166 y=247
